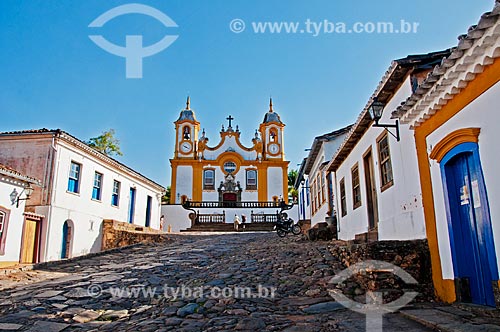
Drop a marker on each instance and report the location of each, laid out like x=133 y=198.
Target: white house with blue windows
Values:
x=80 y=188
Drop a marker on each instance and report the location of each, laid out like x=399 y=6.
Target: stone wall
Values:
x=117 y=234
x=412 y=256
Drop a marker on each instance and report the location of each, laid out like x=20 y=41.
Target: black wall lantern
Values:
x=375 y=111
x=28 y=191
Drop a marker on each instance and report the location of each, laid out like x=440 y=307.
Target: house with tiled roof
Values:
x=454 y=118
x=80 y=187
x=313 y=183
x=15 y=191
x=377 y=193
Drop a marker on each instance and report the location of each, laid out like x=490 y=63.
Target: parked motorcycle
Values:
x=286 y=225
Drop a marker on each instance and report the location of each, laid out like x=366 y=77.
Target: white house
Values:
x=315 y=178
x=80 y=188
x=303 y=188
x=455 y=121
x=378 y=195
x=15 y=189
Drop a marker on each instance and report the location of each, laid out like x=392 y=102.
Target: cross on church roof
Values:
x=230 y=118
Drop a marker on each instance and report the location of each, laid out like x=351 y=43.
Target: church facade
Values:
x=228 y=170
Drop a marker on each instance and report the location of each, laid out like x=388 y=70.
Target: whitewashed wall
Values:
x=184 y=182
x=246 y=195
x=481 y=113
x=230 y=143
x=177 y=216
x=87 y=214
x=16 y=220
x=400 y=206
x=274 y=182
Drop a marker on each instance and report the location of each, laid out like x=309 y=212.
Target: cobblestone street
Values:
x=98 y=293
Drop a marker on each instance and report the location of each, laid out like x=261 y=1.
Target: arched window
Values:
x=251 y=179
x=186 y=132
x=273 y=135
x=209 y=179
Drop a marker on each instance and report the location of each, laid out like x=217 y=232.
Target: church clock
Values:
x=274 y=149
x=186 y=147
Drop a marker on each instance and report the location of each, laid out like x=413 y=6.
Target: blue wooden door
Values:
x=471 y=236
x=65 y=240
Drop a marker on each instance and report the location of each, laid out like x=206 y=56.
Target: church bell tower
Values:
x=271 y=130
x=186 y=129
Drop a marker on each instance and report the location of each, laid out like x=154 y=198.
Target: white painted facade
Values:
x=481 y=113
x=49 y=155
x=315 y=193
x=400 y=209
x=12 y=214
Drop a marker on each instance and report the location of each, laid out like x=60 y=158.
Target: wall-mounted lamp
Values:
x=375 y=111
x=14 y=197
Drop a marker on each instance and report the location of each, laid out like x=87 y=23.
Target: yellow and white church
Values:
x=228 y=171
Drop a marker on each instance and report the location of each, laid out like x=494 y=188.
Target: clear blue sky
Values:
x=54 y=76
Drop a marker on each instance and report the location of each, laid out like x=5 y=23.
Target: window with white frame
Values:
x=97 y=188
x=115 y=196
x=251 y=179
x=74 y=177
x=209 y=179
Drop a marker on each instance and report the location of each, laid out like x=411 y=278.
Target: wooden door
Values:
x=30 y=243
x=471 y=235
x=371 y=197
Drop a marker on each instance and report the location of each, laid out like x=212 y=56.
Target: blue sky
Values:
x=54 y=76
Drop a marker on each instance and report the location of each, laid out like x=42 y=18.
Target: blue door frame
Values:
x=131 y=206
x=469 y=223
x=66 y=240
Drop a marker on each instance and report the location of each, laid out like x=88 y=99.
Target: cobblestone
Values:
x=170 y=287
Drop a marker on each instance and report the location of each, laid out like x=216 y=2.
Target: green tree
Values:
x=166 y=198
x=106 y=143
x=292 y=177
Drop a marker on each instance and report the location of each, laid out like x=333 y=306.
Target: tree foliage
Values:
x=166 y=198
x=106 y=143
x=292 y=177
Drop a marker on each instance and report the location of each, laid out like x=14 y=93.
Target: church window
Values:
x=252 y=179
x=229 y=166
x=343 y=200
x=209 y=179
x=356 y=187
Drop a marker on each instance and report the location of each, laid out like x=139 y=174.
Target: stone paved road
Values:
x=297 y=272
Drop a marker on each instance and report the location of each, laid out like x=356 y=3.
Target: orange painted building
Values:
x=455 y=117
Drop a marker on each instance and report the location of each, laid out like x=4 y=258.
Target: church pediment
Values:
x=230 y=142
